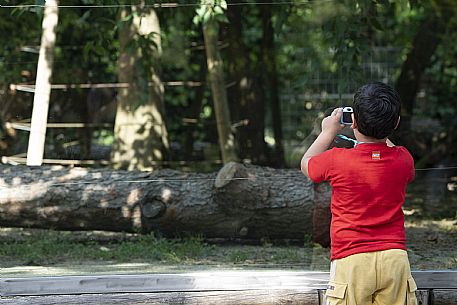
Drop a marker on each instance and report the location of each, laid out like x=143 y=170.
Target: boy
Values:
x=369 y=263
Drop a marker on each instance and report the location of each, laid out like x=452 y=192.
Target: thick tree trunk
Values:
x=247 y=96
x=240 y=201
x=140 y=133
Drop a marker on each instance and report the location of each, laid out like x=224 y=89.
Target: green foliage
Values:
x=316 y=41
x=211 y=10
x=350 y=31
x=88 y=43
x=442 y=75
x=12 y=59
x=334 y=47
x=335 y=39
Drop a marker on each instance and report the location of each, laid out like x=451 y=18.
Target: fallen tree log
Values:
x=240 y=201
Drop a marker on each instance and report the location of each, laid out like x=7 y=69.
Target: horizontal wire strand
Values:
x=177 y=5
x=169 y=5
x=201 y=179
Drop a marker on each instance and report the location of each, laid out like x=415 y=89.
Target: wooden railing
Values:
x=215 y=287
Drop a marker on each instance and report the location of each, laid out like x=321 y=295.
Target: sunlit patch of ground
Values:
x=432 y=244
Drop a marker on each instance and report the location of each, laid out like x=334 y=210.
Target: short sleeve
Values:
x=410 y=162
x=319 y=166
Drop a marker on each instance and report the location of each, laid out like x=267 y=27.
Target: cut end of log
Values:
x=225 y=174
x=153 y=209
x=244 y=231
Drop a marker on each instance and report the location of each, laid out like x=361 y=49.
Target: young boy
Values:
x=369 y=263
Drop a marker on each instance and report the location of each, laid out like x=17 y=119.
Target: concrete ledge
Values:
x=215 y=287
x=183 y=282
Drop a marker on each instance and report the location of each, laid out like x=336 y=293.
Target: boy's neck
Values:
x=364 y=139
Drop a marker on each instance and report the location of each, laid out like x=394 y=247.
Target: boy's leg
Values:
x=396 y=285
x=352 y=280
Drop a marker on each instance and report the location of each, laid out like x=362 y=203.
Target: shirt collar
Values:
x=370 y=146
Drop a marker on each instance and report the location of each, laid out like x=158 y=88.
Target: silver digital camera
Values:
x=346 y=118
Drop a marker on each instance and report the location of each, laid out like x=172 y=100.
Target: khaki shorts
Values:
x=380 y=278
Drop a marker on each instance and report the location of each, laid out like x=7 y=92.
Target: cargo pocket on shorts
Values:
x=336 y=293
x=411 y=293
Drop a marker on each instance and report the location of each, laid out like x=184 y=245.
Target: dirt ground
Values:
x=432 y=245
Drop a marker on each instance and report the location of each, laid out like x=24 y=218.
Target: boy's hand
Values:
x=332 y=123
x=330 y=127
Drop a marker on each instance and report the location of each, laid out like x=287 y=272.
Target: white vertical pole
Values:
x=43 y=85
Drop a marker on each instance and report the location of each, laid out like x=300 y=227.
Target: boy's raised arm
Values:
x=330 y=127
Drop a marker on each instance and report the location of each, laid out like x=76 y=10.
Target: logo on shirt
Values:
x=376 y=155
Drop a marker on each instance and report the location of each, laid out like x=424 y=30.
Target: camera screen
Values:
x=347 y=118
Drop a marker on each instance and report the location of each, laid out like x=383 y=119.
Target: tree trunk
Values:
x=35 y=149
x=271 y=82
x=140 y=132
x=427 y=39
x=216 y=78
x=247 y=96
x=192 y=112
x=240 y=201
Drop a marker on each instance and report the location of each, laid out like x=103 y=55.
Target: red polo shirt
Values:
x=368 y=189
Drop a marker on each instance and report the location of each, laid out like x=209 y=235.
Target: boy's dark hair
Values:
x=376 y=109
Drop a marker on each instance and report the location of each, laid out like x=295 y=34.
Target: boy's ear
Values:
x=354 y=123
x=398 y=123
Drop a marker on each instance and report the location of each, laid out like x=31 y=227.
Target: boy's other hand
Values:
x=332 y=123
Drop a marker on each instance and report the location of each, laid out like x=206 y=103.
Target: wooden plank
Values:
x=258 y=297
x=26 y=126
x=445 y=279
x=183 y=282
x=444 y=296
x=22 y=160
x=197 y=281
x=218 y=287
x=31 y=87
x=41 y=98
